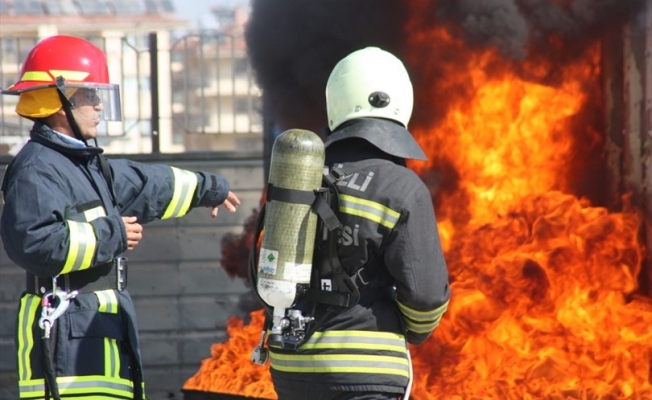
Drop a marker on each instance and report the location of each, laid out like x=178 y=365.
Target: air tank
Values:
x=285 y=258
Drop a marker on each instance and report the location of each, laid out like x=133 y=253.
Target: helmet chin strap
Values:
x=67 y=108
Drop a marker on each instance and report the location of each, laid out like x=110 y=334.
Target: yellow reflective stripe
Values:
x=94 y=386
x=185 y=184
x=370 y=210
x=364 y=340
x=109 y=304
x=94 y=213
x=108 y=301
x=336 y=341
x=69 y=75
x=40 y=76
x=29 y=305
x=82 y=247
x=422 y=321
x=111 y=358
x=340 y=363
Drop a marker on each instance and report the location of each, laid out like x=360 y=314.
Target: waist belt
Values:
x=107 y=276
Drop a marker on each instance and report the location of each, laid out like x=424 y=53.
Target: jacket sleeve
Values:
x=157 y=191
x=39 y=237
x=416 y=261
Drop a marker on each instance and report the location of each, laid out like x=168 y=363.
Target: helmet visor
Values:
x=103 y=97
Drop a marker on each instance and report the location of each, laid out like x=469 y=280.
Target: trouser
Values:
x=290 y=394
x=93 y=348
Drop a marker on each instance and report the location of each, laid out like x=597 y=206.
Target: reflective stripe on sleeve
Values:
x=421 y=321
x=93 y=386
x=82 y=247
x=185 y=184
x=29 y=305
x=370 y=210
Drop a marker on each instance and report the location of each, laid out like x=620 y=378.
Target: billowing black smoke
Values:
x=519 y=28
x=294 y=44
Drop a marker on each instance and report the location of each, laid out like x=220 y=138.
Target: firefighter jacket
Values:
x=390 y=245
x=61 y=219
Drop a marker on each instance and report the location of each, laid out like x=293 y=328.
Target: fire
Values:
x=544 y=284
x=230 y=370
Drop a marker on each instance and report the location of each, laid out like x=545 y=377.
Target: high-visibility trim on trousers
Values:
x=109 y=304
x=111 y=388
x=106 y=385
x=29 y=305
x=357 y=352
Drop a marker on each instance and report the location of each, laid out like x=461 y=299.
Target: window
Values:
x=67 y=7
x=150 y=7
x=52 y=8
x=241 y=67
x=28 y=7
x=93 y=8
x=125 y=7
x=168 y=7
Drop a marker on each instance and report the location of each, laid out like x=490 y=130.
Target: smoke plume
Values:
x=294 y=44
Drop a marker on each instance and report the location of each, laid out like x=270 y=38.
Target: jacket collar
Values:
x=44 y=135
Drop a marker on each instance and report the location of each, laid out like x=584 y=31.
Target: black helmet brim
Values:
x=388 y=136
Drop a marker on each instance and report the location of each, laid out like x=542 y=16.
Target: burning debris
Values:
x=546 y=270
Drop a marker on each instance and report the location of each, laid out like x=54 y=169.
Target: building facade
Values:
x=186 y=90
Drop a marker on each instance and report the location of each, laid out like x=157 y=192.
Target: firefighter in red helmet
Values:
x=70 y=215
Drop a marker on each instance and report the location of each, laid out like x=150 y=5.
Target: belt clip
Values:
x=53 y=304
x=359 y=274
x=121 y=273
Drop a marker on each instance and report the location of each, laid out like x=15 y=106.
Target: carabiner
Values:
x=50 y=313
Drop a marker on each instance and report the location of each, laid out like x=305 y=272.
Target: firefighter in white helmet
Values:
x=388 y=246
x=69 y=217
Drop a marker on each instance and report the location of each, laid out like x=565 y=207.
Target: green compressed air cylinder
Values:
x=285 y=258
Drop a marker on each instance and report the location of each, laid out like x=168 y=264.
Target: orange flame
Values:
x=544 y=285
x=230 y=369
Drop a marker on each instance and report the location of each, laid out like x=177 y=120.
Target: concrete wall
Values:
x=182 y=294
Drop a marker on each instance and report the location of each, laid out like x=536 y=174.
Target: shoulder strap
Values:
x=108 y=177
x=344 y=292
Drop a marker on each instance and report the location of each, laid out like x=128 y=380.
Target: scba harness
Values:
x=342 y=290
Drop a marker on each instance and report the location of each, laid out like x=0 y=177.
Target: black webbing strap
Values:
x=325 y=212
x=338 y=299
x=344 y=292
x=51 y=385
x=290 y=195
x=106 y=172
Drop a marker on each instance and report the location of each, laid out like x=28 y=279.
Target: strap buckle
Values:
x=121 y=273
x=359 y=275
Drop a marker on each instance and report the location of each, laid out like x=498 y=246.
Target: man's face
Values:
x=87 y=110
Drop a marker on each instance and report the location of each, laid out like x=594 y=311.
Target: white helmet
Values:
x=369 y=83
x=372 y=87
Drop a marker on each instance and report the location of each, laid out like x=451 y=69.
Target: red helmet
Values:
x=68 y=63
x=74 y=59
